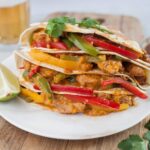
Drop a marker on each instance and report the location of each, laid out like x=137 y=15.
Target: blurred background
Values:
x=137 y=8
x=29 y=11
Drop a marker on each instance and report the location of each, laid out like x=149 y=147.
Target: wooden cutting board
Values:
x=12 y=138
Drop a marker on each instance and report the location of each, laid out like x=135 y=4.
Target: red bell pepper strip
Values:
x=58 y=45
x=88 y=97
x=126 y=85
x=71 y=89
x=36 y=87
x=93 y=100
x=41 y=43
x=122 y=51
x=34 y=71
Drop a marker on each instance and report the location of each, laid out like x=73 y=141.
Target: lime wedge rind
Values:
x=8 y=97
x=9 y=84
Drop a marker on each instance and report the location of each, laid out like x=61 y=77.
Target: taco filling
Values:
x=105 y=64
x=89 y=43
x=90 y=94
x=81 y=67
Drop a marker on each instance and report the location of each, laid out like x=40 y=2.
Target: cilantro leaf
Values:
x=92 y=23
x=54 y=29
x=64 y=20
x=134 y=142
x=148 y=145
x=56 y=26
x=147 y=136
x=89 y=23
x=147 y=125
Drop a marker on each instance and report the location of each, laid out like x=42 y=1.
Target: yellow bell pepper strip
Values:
x=32 y=96
x=93 y=100
x=123 y=106
x=83 y=44
x=126 y=85
x=46 y=58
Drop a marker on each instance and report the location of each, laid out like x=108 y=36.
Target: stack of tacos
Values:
x=81 y=67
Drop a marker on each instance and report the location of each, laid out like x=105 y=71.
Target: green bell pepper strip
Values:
x=43 y=85
x=69 y=57
x=25 y=74
x=83 y=44
x=59 y=77
x=67 y=42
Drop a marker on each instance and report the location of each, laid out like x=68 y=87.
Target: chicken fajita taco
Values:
x=81 y=67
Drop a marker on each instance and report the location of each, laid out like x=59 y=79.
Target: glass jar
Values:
x=14 y=18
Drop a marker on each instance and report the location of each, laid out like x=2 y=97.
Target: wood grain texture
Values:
x=12 y=138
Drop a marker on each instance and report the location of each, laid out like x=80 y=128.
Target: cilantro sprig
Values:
x=89 y=23
x=147 y=125
x=56 y=26
x=135 y=142
x=92 y=23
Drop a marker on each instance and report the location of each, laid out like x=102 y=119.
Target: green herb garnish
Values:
x=56 y=26
x=134 y=142
x=147 y=125
x=147 y=136
x=89 y=23
x=92 y=23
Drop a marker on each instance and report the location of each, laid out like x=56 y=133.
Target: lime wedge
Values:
x=9 y=84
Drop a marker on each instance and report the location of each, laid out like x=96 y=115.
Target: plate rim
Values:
x=72 y=137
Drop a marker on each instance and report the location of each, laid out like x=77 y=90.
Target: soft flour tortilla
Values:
x=23 y=55
x=116 y=38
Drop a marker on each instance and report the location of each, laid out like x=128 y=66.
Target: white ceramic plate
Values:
x=38 y=120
